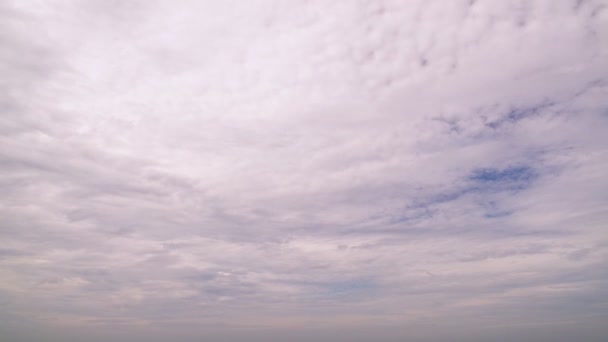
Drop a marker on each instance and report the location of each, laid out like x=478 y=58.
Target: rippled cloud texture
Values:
x=304 y=170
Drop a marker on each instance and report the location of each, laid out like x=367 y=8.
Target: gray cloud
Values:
x=303 y=170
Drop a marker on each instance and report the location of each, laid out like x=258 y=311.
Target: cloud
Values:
x=303 y=170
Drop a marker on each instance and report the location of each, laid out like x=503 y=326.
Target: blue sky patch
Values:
x=516 y=114
x=510 y=174
x=349 y=287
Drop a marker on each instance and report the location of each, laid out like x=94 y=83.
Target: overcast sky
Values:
x=303 y=170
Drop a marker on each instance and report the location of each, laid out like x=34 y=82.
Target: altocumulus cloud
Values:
x=303 y=170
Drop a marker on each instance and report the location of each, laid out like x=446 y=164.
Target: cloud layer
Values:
x=304 y=170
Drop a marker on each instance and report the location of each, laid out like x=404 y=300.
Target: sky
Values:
x=303 y=170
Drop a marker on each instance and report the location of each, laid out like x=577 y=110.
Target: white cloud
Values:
x=353 y=168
